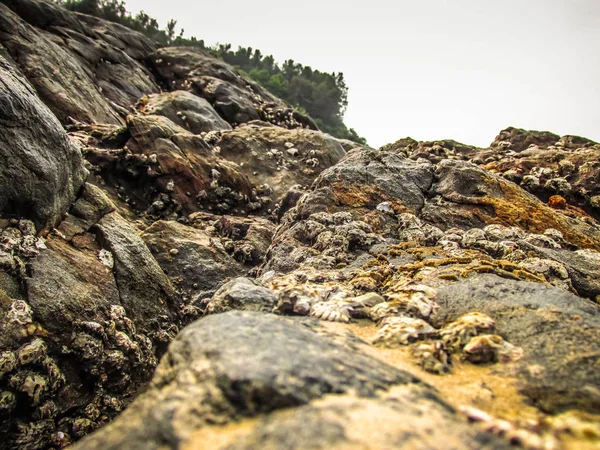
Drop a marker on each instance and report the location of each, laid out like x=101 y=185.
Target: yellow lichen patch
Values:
x=517 y=208
x=486 y=388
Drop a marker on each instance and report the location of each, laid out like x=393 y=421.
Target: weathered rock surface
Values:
x=185 y=109
x=41 y=169
x=164 y=169
x=242 y=294
x=402 y=419
x=89 y=313
x=235 y=365
x=558 y=331
x=82 y=67
x=195 y=260
x=236 y=98
x=562 y=171
x=421 y=264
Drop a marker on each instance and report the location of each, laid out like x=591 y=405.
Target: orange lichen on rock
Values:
x=368 y=195
x=518 y=208
x=557 y=202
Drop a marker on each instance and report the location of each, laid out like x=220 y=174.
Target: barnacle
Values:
x=402 y=331
x=33 y=352
x=491 y=348
x=8 y=363
x=335 y=311
x=432 y=356
x=458 y=333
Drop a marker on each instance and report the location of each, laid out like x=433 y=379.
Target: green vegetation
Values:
x=324 y=96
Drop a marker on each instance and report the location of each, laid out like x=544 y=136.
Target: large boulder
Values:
x=41 y=170
x=186 y=110
x=241 y=364
x=82 y=67
x=84 y=313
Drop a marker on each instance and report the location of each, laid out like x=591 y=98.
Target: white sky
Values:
x=429 y=69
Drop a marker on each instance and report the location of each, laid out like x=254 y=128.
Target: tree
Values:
x=322 y=95
x=171 y=30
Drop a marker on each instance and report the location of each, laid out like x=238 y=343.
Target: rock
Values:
x=556 y=329
x=37 y=152
x=242 y=364
x=167 y=164
x=201 y=264
x=337 y=423
x=144 y=290
x=479 y=198
x=253 y=147
x=193 y=113
x=542 y=163
x=164 y=162
x=81 y=66
x=242 y=294
x=236 y=98
x=520 y=139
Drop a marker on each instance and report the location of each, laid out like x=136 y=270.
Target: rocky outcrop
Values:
x=236 y=98
x=561 y=171
x=185 y=109
x=426 y=294
x=167 y=171
x=243 y=364
x=42 y=170
x=86 y=312
x=82 y=67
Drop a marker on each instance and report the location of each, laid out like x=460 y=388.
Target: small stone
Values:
x=174 y=251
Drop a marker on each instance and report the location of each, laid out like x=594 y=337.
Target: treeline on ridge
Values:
x=324 y=96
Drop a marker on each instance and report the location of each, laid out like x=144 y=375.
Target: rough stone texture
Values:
x=166 y=169
x=145 y=291
x=438 y=255
x=242 y=294
x=88 y=338
x=402 y=420
x=240 y=364
x=193 y=113
x=266 y=159
x=541 y=162
x=35 y=151
x=236 y=98
x=467 y=195
x=559 y=332
x=195 y=260
x=82 y=67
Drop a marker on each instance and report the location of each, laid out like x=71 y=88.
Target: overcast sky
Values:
x=429 y=69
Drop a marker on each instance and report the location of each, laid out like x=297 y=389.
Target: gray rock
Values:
x=81 y=66
x=186 y=110
x=557 y=330
x=144 y=289
x=41 y=170
x=201 y=264
x=242 y=294
x=403 y=420
x=239 y=364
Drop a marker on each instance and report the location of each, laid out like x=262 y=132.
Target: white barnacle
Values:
x=106 y=258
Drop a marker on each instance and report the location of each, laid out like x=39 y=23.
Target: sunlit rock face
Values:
x=187 y=262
